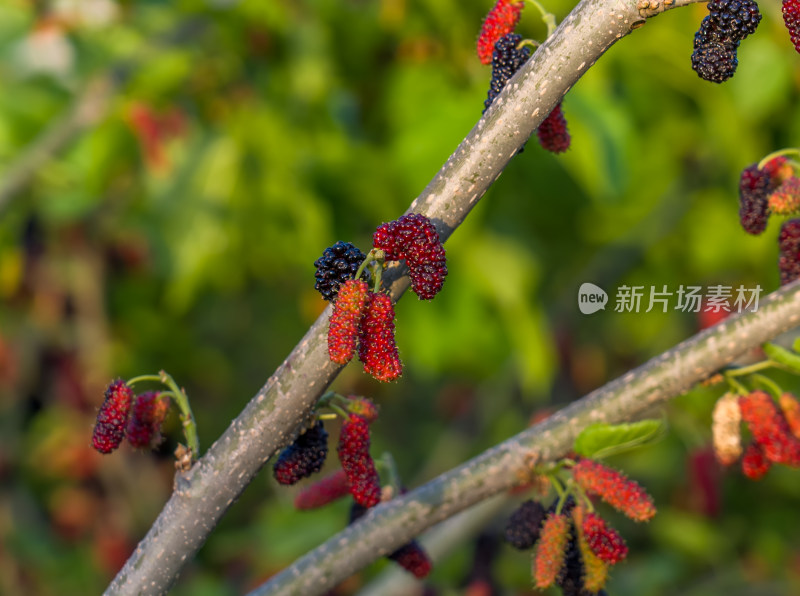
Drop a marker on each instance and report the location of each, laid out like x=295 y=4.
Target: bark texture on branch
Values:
x=204 y=494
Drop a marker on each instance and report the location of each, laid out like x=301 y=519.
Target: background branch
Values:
x=390 y=525
x=204 y=494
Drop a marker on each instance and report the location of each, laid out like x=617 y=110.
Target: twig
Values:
x=389 y=525
x=203 y=494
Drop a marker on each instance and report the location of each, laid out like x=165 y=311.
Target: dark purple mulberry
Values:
x=715 y=62
x=336 y=265
x=303 y=457
x=789 y=260
x=754 y=187
x=506 y=61
x=522 y=529
x=552 y=132
x=735 y=18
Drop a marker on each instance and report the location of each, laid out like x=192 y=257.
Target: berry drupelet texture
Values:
x=337 y=264
x=413 y=558
x=357 y=462
x=726 y=432
x=147 y=414
x=506 y=61
x=414 y=238
x=552 y=132
x=595 y=570
x=377 y=347
x=345 y=322
x=112 y=419
x=616 y=489
x=754 y=462
x=522 y=529
x=550 y=550
x=323 y=491
x=770 y=429
x=571 y=577
x=791 y=18
x=785 y=199
x=736 y=19
x=303 y=457
x=604 y=540
x=754 y=187
x=715 y=62
x=501 y=20
x=789 y=251
x=715 y=43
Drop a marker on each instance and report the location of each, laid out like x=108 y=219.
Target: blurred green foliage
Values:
x=242 y=138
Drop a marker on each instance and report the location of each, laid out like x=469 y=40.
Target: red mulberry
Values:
x=552 y=132
x=754 y=463
x=377 y=348
x=614 y=488
x=604 y=540
x=522 y=529
x=414 y=238
x=147 y=414
x=323 y=491
x=501 y=20
x=413 y=558
x=789 y=251
x=109 y=430
x=345 y=321
x=549 y=557
x=357 y=463
x=791 y=18
x=303 y=457
x=770 y=429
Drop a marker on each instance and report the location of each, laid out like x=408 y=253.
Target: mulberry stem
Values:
x=182 y=401
x=774 y=154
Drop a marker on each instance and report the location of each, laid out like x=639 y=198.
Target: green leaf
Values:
x=601 y=440
x=782 y=356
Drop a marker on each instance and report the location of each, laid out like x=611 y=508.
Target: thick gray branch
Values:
x=392 y=524
x=204 y=493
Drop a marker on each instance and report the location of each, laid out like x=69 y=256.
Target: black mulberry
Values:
x=506 y=60
x=303 y=457
x=336 y=265
x=522 y=529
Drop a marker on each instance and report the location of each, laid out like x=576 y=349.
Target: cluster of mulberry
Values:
x=500 y=46
x=774 y=430
x=365 y=320
x=337 y=264
x=574 y=546
x=123 y=414
x=715 y=43
x=303 y=457
x=414 y=239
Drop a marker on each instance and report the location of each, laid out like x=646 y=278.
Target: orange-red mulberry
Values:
x=611 y=485
x=549 y=557
x=345 y=322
